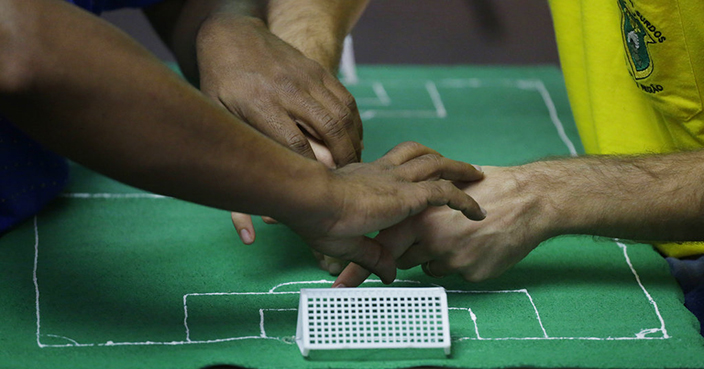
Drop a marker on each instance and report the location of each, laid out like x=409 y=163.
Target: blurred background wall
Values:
x=426 y=32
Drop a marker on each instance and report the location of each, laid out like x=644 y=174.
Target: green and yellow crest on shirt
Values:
x=638 y=32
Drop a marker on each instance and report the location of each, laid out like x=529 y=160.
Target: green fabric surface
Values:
x=113 y=277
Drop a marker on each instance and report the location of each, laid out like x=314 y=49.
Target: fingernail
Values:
x=246 y=236
x=322 y=264
x=335 y=268
x=482 y=210
x=339 y=285
x=477 y=167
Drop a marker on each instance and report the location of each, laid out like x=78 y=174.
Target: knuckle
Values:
x=296 y=142
x=332 y=126
x=315 y=68
x=430 y=167
x=437 y=192
x=435 y=161
x=411 y=145
x=410 y=148
x=349 y=101
x=446 y=188
x=344 y=115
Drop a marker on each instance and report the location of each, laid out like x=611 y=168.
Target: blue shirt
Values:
x=98 y=6
x=30 y=175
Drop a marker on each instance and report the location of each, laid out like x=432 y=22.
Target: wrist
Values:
x=320 y=45
x=223 y=22
x=542 y=189
x=315 y=35
x=310 y=197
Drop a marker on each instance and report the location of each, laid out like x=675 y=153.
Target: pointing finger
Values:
x=439 y=193
x=435 y=166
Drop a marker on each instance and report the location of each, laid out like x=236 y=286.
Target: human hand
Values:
x=245 y=228
x=377 y=195
x=276 y=89
x=445 y=242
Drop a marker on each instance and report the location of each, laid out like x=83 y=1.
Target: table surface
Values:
x=110 y=276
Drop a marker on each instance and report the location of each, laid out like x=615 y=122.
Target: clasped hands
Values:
x=298 y=103
x=445 y=242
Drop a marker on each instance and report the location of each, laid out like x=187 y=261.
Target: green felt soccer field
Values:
x=110 y=276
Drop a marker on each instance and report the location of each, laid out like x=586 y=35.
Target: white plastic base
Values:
x=371 y=318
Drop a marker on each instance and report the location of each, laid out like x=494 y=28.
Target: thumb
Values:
x=244 y=226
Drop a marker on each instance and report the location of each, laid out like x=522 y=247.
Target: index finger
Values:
x=439 y=193
x=404 y=152
x=352 y=276
x=435 y=166
x=369 y=254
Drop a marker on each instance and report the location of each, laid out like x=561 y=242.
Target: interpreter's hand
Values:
x=276 y=89
x=445 y=242
x=245 y=228
x=374 y=196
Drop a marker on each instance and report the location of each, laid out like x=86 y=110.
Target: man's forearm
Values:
x=178 y=23
x=97 y=97
x=317 y=28
x=649 y=198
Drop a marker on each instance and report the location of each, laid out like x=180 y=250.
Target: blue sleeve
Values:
x=117 y=4
x=98 y=6
x=30 y=176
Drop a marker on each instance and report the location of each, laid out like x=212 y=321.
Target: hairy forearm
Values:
x=97 y=97
x=649 y=198
x=317 y=28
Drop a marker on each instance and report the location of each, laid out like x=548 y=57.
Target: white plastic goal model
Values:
x=371 y=318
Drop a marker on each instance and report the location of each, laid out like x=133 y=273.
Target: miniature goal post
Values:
x=371 y=318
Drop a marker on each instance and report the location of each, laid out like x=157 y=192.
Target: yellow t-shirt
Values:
x=634 y=71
